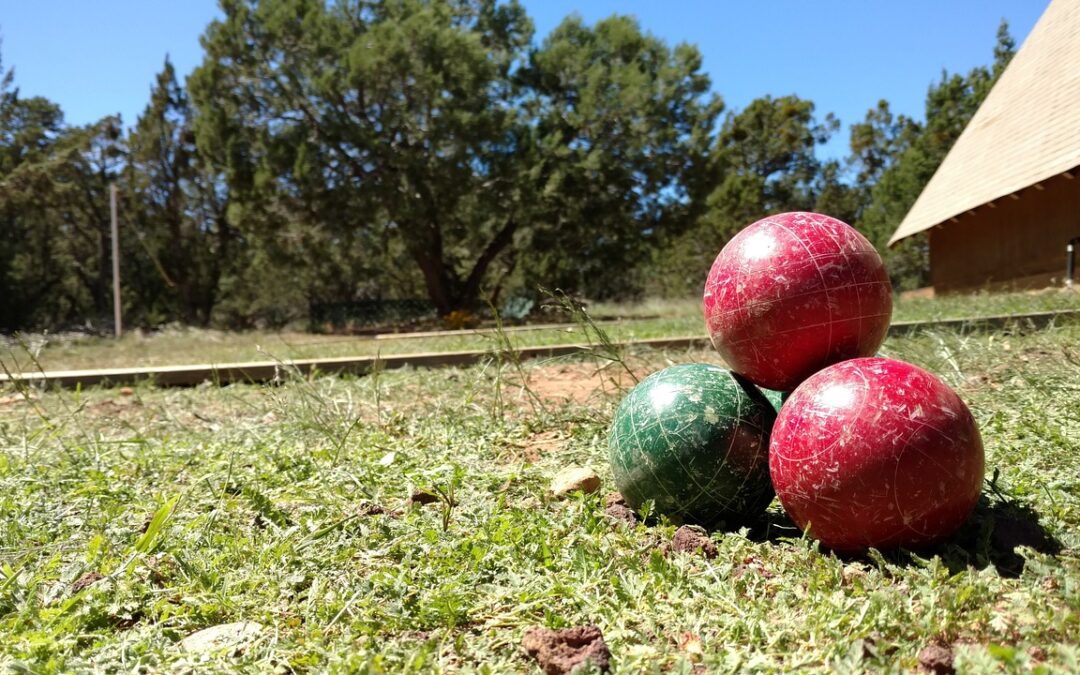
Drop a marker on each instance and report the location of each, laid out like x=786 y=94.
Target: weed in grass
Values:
x=506 y=355
x=600 y=343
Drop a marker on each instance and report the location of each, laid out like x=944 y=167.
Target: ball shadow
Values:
x=773 y=527
x=991 y=537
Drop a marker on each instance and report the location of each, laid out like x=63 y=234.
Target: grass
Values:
x=984 y=304
x=288 y=506
x=209 y=346
x=642 y=320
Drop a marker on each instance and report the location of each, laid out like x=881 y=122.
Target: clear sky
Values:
x=97 y=57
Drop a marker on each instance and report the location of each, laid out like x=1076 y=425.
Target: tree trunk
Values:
x=437 y=282
x=503 y=238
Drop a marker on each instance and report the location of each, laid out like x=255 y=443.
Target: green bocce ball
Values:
x=694 y=439
x=776 y=398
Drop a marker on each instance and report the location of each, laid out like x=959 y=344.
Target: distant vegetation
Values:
x=430 y=148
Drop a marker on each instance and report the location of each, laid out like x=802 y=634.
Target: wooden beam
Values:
x=1013 y=195
x=1038 y=186
x=991 y=205
x=954 y=219
x=1068 y=174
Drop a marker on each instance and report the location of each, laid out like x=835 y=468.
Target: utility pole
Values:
x=115 y=262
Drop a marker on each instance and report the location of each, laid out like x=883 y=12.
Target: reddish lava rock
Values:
x=876 y=452
x=793 y=293
x=689 y=540
x=936 y=659
x=563 y=651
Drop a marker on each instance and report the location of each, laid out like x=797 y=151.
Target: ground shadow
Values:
x=991 y=536
x=773 y=527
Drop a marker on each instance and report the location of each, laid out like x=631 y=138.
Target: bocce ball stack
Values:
x=874 y=452
x=694 y=439
x=794 y=293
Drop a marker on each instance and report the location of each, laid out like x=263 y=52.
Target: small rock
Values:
x=422 y=497
x=614 y=498
x=615 y=507
x=85 y=581
x=936 y=659
x=575 y=479
x=127 y=391
x=367 y=508
x=751 y=565
x=234 y=635
x=562 y=651
x=688 y=539
x=621 y=513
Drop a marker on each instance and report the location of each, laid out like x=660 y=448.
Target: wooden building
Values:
x=1002 y=208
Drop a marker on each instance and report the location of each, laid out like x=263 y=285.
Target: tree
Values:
x=28 y=129
x=177 y=207
x=762 y=161
x=359 y=118
x=624 y=122
x=766 y=157
x=54 y=212
x=431 y=127
x=878 y=141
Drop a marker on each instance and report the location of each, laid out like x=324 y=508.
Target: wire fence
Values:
x=369 y=315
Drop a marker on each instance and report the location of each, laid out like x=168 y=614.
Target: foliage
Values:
x=445 y=134
x=762 y=161
x=177 y=207
x=329 y=154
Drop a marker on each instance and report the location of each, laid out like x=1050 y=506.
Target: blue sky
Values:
x=99 y=57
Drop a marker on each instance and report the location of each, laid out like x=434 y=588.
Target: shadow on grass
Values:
x=991 y=536
x=773 y=527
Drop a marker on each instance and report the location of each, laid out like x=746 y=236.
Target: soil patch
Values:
x=543 y=443
x=422 y=497
x=582 y=383
x=87 y=580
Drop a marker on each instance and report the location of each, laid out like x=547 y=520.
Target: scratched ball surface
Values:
x=876 y=452
x=694 y=438
x=793 y=293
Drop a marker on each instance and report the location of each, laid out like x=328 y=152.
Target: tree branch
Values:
x=503 y=238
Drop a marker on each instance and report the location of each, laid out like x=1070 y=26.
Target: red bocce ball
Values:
x=876 y=452
x=793 y=293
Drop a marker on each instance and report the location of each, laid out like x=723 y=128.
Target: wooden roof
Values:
x=1027 y=129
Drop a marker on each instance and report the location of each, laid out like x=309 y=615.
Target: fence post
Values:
x=115 y=262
